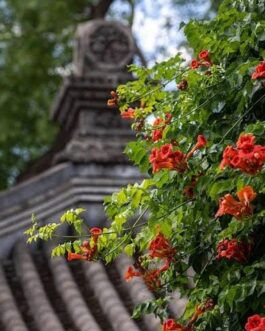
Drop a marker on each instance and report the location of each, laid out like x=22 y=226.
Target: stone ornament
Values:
x=103 y=46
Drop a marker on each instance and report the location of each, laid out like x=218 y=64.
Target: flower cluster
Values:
x=131 y=273
x=88 y=249
x=128 y=114
x=199 y=310
x=150 y=277
x=233 y=250
x=171 y=325
x=255 y=323
x=159 y=126
x=113 y=102
x=259 y=71
x=228 y=205
x=165 y=158
x=182 y=85
x=246 y=156
x=203 y=60
x=189 y=190
x=160 y=248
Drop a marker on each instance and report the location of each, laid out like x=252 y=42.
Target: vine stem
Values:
x=158 y=87
x=204 y=268
x=173 y=209
x=128 y=234
x=240 y=118
x=135 y=225
x=102 y=234
x=193 y=110
x=138 y=220
x=71 y=237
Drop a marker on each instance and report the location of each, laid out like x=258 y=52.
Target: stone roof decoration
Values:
x=102 y=52
x=103 y=46
x=84 y=165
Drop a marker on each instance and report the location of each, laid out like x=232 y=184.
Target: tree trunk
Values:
x=100 y=10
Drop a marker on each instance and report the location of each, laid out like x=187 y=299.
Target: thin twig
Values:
x=139 y=218
x=240 y=118
x=135 y=225
x=193 y=110
x=204 y=268
x=128 y=234
x=173 y=209
x=138 y=98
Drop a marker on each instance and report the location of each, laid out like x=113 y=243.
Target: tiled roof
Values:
x=38 y=293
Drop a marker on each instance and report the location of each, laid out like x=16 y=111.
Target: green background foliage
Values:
x=36 y=43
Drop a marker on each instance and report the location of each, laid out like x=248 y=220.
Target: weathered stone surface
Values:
x=103 y=45
x=96 y=133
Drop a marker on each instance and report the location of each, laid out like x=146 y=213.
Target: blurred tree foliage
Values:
x=35 y=50
x=35 y=46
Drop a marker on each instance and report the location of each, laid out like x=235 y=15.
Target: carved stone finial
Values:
x=92 y=132
x=102 y=46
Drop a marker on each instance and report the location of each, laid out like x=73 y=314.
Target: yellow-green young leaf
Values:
x=57 y=251
x=240 y=183
x=78 y=225
x=33 y=229
x=62 y=249
x=76 y=246
x=33 y=218
x=68 y=246
x=67 y=217
x=166 y=229
x=122 y=197
x=79 y=211
x=129 y=249
x=119 y=220
x=72 y=217
x=147 y=183
x=108 y=258
x=104 y=239
x=136 y=199
x=189 y=310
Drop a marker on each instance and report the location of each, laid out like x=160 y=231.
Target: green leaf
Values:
x=219 y=187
